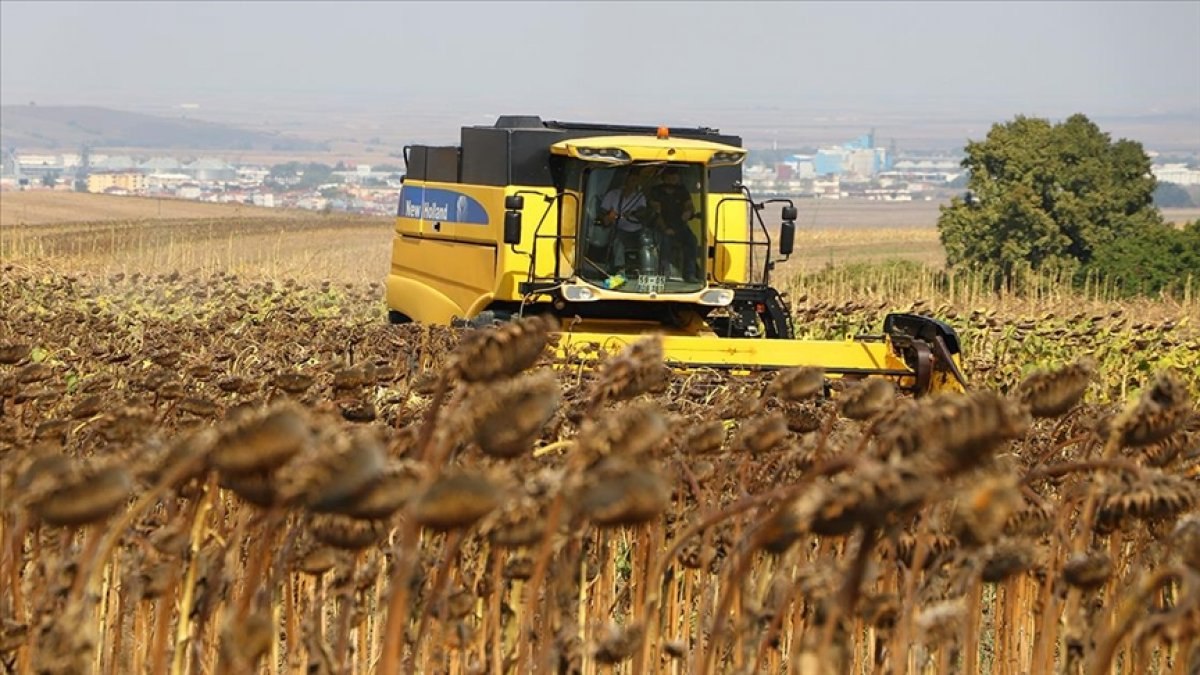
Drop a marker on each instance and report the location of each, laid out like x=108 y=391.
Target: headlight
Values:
x=578 y=293
x=717 y=297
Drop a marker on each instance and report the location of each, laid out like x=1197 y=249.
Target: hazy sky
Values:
x=937 y=57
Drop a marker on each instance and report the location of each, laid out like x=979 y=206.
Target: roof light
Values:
x=613 y=155
x=724 y=158
x=663 y=132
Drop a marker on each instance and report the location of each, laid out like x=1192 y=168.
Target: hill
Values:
x=29 y=127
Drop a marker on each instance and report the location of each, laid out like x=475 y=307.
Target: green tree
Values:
x=1044 y=196
x=1156 y=258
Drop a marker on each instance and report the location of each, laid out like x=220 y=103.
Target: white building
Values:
x=1179 y=174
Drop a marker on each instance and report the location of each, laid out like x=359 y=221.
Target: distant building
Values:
x=859 y=159
x=208 y=169
x=161 y=165
x=167 y=180
x=37 y=166
x=1179 y=174
x=189 y=191
x=110 y=181
x=113 y=163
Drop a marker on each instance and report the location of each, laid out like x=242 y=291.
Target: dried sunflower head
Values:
x=491 y=354
x=456 y=501
x=631 y=429
x=865 y=399
x=797 y=384
x=84 y=495
x=618 y=492
x=1005 y=560
x=638 y=369
x=1087 y=570
x=507 y=417
x=262 y=441
x=761 y=434
x=1160 y=411
x=1053 y=393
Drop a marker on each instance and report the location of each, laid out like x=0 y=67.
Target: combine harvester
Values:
x=621 y=231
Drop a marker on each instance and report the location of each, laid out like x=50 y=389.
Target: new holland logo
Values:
x=441 y=205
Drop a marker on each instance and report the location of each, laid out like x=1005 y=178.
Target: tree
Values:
x=1044 y=196
x=1157 y=258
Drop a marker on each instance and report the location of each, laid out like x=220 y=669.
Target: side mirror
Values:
x=787 y=236
x=514 y=202
x=789 y=213
x=512 y=226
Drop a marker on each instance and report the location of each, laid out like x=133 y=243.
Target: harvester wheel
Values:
x=395 y=317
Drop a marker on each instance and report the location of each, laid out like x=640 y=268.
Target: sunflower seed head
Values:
x=344 y=532
x=507 y=417
x=262 y=441
x=704 y=438
x=807 y=417
x=1052 y=393
x=1087 y=570
x=387 y=493
x=1160 y=411
x=781 y=529
x=618 y=643
x=632 y=429
x=637 y=370
x=797 y=384
x=487 y=355
x=456 y=501
x=619 y=492
x=293 y=383
x=1151 y=496
x=981 y=514
x=315 y=559
x=517 y=523
x=12 y=354
x=256 y=488
x=87 y=496
x=87 y=407
x=333 y=472
x=940 y=623
x=957 y=431
x=870 y=496
x=762 y=434
x=1006 y=559
x=865 y=399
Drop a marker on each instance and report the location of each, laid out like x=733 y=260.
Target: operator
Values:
x=627 y=208
x=673 y=203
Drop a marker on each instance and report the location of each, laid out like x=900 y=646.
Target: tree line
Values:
x=1065 y=199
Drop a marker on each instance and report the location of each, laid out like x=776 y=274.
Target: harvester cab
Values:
x=620 y=231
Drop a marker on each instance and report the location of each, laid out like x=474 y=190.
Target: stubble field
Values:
x=216 y=457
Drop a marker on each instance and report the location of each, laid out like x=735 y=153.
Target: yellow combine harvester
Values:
x=620 y=231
